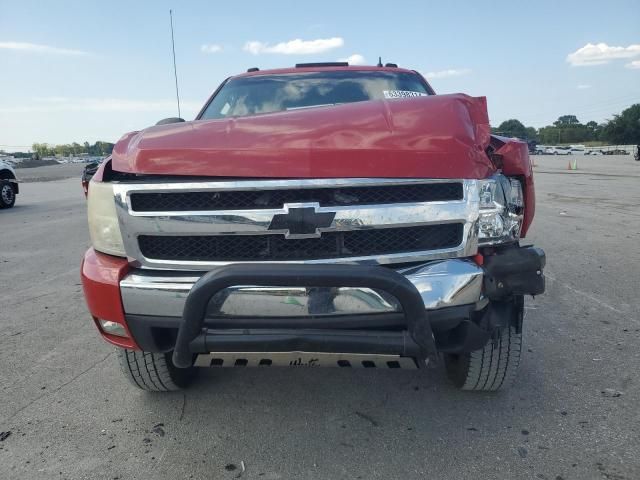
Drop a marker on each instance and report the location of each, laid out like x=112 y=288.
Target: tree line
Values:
x=622 y=129
x=98 y=149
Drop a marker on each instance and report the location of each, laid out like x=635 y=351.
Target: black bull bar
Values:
x=298 y=275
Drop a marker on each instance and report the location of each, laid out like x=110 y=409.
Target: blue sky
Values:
x=88 y=70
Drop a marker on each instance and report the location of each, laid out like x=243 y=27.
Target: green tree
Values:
x=624 y=129
x=594 y=130
x=549 y=135
x=531 y=133
x=513 y=128
x=566 y=120
x=42 y=149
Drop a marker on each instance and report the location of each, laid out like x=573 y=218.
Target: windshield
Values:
x=257 y=94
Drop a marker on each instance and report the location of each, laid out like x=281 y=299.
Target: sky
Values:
x=88 y=70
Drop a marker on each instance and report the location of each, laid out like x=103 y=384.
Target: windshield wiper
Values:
x=312 y=106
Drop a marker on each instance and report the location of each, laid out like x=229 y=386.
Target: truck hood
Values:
x=441 y=136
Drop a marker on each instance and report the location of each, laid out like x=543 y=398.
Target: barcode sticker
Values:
x=402 y=94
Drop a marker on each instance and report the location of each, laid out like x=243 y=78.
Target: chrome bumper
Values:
x=441 y=283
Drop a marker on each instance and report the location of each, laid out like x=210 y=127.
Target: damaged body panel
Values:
x=441 y=136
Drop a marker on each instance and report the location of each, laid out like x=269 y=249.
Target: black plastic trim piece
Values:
x=322 y=64
x=326 y=341
x=158 y=333
x=514 y=271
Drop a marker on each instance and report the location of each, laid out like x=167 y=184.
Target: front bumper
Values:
x=443 y=283
x=294 y=309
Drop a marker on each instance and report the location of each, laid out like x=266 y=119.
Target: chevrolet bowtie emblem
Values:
x=302 y=222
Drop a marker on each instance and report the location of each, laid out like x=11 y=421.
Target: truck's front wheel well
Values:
x=8 y=175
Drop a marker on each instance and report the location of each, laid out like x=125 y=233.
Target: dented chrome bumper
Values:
x=441 y=283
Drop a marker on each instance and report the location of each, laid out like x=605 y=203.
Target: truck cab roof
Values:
x=318 y=67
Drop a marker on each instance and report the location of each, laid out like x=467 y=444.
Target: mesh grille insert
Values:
x=261 y=199
x=276 y=247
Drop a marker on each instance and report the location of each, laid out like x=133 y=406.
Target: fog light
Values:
x=113 y=328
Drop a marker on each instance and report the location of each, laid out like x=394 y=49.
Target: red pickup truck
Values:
x=323 y=215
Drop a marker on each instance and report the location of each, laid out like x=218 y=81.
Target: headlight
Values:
x=501 y=208
x=103 y=220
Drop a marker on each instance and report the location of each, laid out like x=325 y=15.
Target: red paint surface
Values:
x=516 y=162
x=441 y=136
x=101 y=275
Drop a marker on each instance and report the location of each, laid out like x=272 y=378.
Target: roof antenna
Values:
x=175 y=71
x=379 y=62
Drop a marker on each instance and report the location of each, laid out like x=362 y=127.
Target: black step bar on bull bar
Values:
x=298 y=275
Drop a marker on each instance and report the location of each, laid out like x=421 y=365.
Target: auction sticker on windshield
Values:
x=402 y=94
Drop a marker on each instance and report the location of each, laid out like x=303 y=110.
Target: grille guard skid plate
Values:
x=269 y=275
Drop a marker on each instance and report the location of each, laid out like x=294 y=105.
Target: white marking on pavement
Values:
x=591 y=297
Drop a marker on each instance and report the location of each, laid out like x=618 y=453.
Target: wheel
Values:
x=491 y=368
x=153 y=372
x=7 y=194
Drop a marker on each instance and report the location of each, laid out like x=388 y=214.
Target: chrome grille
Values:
x=200 y=224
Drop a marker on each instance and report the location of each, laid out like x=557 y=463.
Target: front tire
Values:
x=490 y=368
x=153 y=372
x=7 y=194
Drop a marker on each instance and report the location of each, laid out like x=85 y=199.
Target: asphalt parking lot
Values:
x=574 y=412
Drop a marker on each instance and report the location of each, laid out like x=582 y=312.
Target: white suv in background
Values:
x=578 y=150
x=8 y=185
x=558 y=151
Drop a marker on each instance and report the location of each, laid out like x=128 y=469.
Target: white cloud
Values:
x=295 y=47
x=211 y=48
x=601 y=53
x=452 y=72
x=65 y=104
x=35 y=48
x=583 y=87
x=634 y=65
x=355 y=59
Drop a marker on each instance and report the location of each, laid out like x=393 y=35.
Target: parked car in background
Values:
x=577 y=150
x=594 y=152
x=87 y=174
x=558 y=151
x=616 y=151
x=8 y=185
x=540 y=150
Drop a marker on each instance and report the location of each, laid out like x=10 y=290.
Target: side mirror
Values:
x=167 y=121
